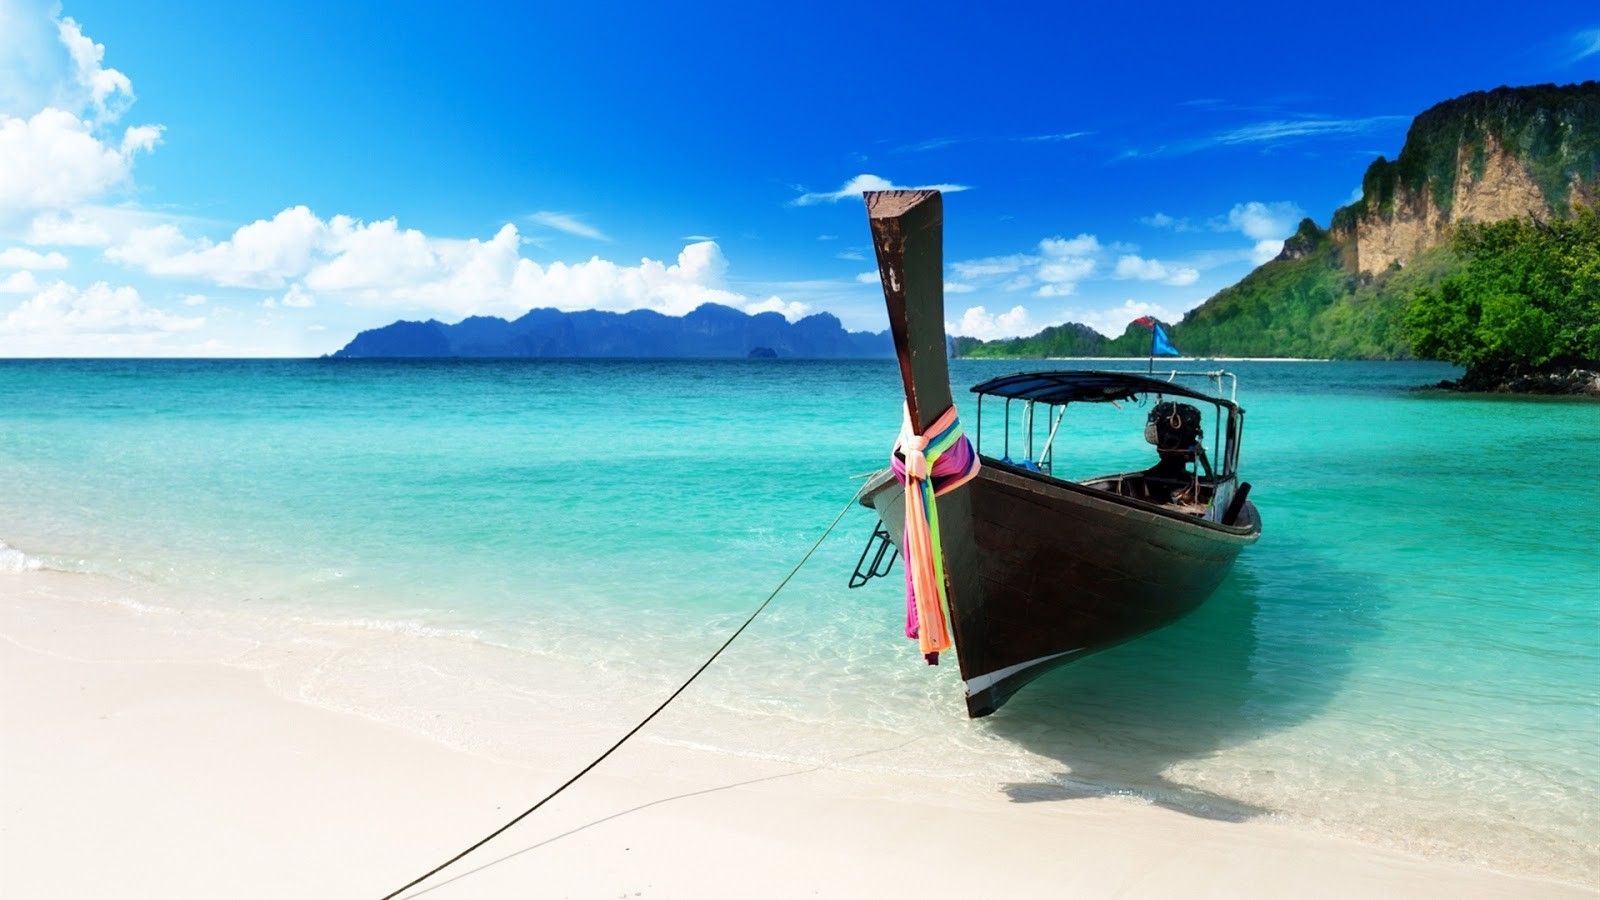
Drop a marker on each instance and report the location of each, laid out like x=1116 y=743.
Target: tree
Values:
x=1527 y=298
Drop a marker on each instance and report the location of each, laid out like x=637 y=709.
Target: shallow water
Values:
x=1411 y=654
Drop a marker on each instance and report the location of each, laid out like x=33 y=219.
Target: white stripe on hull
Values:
x=983 y=682
x=986 y=681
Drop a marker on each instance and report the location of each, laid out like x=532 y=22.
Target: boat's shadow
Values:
x=1267 y=652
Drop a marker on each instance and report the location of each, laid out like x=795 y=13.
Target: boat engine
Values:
x=1173 y=428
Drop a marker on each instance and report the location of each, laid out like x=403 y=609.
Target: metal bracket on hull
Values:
x=881 y=551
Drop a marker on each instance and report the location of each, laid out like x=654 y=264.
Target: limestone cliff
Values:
x=1483 y=157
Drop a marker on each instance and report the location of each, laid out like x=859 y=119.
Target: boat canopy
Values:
x=1078 y=386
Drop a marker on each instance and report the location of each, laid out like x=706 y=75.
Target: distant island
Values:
x=1408 y=270
x=709 y=331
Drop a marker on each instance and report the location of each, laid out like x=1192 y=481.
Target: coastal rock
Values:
x=1558 y=382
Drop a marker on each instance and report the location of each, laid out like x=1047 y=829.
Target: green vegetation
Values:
x=1070 y=339
x=1307 y=304
x=1526 y=298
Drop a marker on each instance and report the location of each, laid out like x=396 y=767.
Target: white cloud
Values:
x=793 y=311
x=1133 y=266
x=297 y=297
x=867 y=277
x=265 y=253
x=382 y=264
x=1162 y=220
x=696 y=238
x=67 y=229
x=1584 y=44
x=193 y=299
x=1082 y=245
x=568 y=223
x=107 y=91
x=57 y=102
x=19 y=283
x=1263 y=221
x=54 y=160
x=1265 y=251
x=1284 y=129
x=958 y=287
x=1054 y=271
x=852 y=254
x=854 y=188
x=979 y=323
x=23 y=258
x=61 y=308
x=993 y=265
x=1113 y=321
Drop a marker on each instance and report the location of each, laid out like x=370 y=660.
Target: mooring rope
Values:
x=643 y=722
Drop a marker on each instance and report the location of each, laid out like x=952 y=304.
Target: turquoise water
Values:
x=1410 y=655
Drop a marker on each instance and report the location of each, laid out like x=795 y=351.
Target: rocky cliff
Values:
x=1483 y=157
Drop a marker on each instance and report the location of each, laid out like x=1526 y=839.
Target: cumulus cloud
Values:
x=98 y=309
x=568 y=224
x=1137 y=267
x=792 y=310
x=383 y=264
x=107 y=91
x=979 y=323
x=1264 y=221
x=853 y=189
x=57 y=104
x=55 y=160
x=19 y=283
x=265 y=253
x=297 y=297
x=23 y=258
x=1268 y=224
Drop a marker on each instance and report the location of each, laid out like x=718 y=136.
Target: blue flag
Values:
x=1160 y=345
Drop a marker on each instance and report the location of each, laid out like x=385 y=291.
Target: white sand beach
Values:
x=146 y=760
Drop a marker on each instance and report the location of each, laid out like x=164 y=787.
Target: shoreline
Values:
x=126 y=735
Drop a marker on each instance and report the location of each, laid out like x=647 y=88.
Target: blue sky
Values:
x=180 y=179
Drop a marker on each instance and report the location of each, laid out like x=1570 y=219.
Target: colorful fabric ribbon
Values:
x=929 y=465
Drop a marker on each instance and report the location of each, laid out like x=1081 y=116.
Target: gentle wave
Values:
x=15 y=562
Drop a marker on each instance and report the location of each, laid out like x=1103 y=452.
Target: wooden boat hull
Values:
x=1065 y=570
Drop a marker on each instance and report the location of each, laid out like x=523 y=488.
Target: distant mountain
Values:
x=1343 y=291
x=711 y=330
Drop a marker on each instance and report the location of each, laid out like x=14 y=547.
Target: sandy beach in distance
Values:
x=146 y=760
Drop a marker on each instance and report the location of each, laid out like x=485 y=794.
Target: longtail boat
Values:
x=1028 y=571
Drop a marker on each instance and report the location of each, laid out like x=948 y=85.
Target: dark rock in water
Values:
x=763 y=353
x=1575 y=381
x=710 y=330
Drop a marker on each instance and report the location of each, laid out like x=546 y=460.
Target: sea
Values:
x=488 y=551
